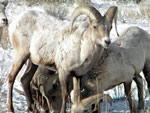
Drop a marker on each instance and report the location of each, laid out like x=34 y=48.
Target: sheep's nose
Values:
x=107 y=42
x=5 y=20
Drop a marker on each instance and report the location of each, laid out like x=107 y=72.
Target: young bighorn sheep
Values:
x=45 y=88
x=33 y=37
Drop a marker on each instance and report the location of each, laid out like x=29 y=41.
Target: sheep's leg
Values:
x=127 y=86
x=20 y=59
x=139 y=83
x=25 y=80
x=76 y=99
x=96 y=108
x=76 y=88
x=63 y=78
x=146 y=72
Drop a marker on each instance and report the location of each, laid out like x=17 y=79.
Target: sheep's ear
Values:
x=5 y=3
x=111 y=15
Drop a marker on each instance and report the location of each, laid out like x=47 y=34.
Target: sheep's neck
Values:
x=90 y=54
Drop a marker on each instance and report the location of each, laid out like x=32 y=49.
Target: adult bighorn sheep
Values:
x=33 y=37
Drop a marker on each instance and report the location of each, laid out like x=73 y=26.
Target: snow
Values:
x=6 y=56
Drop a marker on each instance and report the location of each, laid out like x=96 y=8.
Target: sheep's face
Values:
x=101 y=33
x=99 y=26
x=3 y=18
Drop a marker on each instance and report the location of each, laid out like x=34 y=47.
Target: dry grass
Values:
x=145 y=11
x=58 y=11
x=126 y=1
x=135 y=12
x=56 y=8
x=1 y=83
x=56 y=1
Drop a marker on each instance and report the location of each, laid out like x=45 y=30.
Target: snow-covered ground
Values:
x=120 y=104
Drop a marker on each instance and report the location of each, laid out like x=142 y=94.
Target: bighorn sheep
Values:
x=45 y=88
x=76 y=51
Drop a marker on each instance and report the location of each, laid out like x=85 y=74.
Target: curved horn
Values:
x=90 y=11
x=111 y=15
